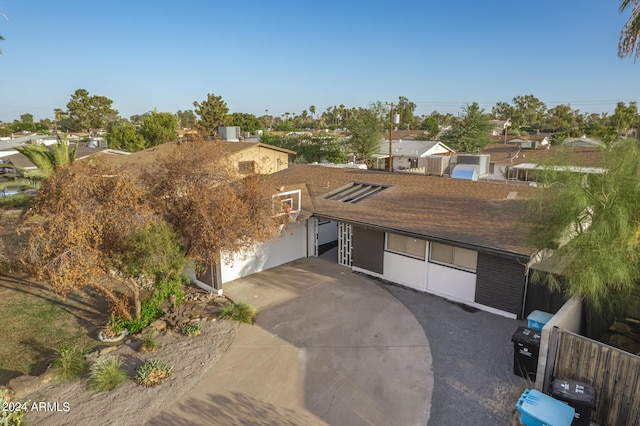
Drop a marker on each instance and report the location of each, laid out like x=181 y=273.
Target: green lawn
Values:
x=34 y=322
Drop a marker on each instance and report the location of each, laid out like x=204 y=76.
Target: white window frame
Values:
x=405 y=252
x=457 y=252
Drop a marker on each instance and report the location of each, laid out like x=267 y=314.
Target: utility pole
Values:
x=392 y=118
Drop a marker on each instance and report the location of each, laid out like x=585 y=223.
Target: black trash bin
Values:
x=526 y=347
x=578 y=395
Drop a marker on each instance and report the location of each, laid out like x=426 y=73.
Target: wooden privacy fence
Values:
x=613 y=373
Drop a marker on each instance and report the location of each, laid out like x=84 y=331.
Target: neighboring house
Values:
x=462 y=240
x=250 y=157
x=506 y=159
x=409 y=154
x=583 y=142
x=8 y=155
x=530 y=141
x=255 y=157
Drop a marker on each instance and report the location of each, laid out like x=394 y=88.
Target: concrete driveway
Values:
x=328 y=347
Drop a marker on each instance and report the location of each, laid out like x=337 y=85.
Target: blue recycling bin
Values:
x=538 y=319
x=538 y=409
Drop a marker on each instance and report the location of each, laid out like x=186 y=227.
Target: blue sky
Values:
x=283 y=56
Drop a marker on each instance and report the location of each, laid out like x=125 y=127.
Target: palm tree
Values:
x=630 y=36
x=47 y=159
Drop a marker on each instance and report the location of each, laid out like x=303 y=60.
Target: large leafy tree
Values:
x=503 y=111
x=365 y=134
x=158 y=128
x=629 y=43
x=529 y=111
x=88 y=112
x=246 y=122
x=526 y=111
x=125 y=136
x=561 y=118
x=625 y=117
x=187 y=119
x=405 y=109
x=471 y=133
x=592 y=222
x=213 y=113
x=430 y=126
x=310 y=148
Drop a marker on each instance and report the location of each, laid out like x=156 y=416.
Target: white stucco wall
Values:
x=291 y=245
x=451 y=283
x=569 y=318
x=405 y=270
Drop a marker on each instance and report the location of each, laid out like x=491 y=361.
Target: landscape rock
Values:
x=159 y=325
x=24 y=385
x=106 y=350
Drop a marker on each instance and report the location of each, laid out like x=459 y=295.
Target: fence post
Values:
x=552 y=358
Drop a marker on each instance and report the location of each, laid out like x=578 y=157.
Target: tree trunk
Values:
x=135 y=292
x=113 y=298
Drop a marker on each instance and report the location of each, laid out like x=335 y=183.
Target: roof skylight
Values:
x=355 y=192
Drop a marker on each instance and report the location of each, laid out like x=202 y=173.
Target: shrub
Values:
x=149 y=341
x=70 y=363
x=154 y=251
x=12 y=412
x=239 y=312
x=106 y=374
x=151 y=308
x=192 y=329
x=152 y=372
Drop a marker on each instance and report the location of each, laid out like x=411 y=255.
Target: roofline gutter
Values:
x=520 y=257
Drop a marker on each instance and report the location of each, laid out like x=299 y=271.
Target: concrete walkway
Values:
x=328 y=347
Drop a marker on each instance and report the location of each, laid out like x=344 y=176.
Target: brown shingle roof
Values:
x=574 y=156
x=473 y=214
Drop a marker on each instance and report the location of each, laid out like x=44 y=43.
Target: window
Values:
x=246 y=167
x=454 y=256
x=409 y=246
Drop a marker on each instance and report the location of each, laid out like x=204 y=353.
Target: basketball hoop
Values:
x=293 y=215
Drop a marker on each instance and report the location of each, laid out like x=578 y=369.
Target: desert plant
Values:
x=115 y=325
x=152 y=372
x=242 y=312
x=149 y=341
x=106 y=374
x=191 y=329
x=176 y=316
x=70 y=363
x=152 y=307
x=12 y=413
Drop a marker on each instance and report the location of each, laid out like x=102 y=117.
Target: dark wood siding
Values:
x=500 y=283
x=367 y=249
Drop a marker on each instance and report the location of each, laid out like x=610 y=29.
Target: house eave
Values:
x=520 y=257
